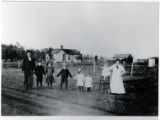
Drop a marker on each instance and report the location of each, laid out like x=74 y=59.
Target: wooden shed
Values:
x=153 y=61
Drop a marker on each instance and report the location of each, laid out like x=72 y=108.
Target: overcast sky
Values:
x=93 y=28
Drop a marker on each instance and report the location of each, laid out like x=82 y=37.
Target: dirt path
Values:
x=20 y=103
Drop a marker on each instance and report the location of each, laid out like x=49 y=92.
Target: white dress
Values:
x=105 y=72
x=80 y=79
x=88 y=81
x=116 y=83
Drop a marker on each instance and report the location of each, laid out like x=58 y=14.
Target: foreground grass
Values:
x=141 y=99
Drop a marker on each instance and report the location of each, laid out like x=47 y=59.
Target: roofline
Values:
x=67 y=53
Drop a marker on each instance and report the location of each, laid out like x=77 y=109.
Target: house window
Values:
x=69 y=57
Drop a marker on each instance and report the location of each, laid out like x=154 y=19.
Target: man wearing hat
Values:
x=28 y=66
x=64 y=76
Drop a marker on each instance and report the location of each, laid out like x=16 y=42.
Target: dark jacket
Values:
x=64 y=74
x=39 y=71
x=28 y=66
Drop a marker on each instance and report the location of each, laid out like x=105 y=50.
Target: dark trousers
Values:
x=81 y=88
x=50 y=80
x=28 y=80
x=39 y=80
x=62 y=82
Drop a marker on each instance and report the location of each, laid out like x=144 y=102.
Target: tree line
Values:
x=15 y=52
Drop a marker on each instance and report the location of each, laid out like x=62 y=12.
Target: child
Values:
x=64 y=76
x=105 y=71
x=39 y=71
x=49 y=75
x=80 y=80
x=106 y=76
x=88 y=82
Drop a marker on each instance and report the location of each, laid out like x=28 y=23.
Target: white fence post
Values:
x=94 y=66
x=132 y=69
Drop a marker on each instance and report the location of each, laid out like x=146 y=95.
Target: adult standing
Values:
x=116 y=82
x=28 y=66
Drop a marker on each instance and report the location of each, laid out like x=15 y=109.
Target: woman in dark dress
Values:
x=28 y=66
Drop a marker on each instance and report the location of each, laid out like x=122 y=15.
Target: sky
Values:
x=97 y=28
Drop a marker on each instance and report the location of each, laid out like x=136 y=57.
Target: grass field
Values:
x=141 y=97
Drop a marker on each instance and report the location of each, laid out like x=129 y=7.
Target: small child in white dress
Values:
x=88 y=82
x=106 y=71
x=80 y=80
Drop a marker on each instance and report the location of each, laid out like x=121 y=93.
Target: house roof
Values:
x=153 y=58
x=142 y=60
x=67 y=51
x=121 y=56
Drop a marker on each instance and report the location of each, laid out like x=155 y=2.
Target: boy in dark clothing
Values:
x=64 y=76
x=39 y=71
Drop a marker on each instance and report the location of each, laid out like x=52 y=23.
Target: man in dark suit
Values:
x=28 y=66
x=64 y=76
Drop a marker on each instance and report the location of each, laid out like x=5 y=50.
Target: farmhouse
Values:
x=66 y=55
x=127 y=58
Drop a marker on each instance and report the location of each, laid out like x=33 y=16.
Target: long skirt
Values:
x=116 y=85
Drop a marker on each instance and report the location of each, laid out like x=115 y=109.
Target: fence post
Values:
x=94 y=66
x=132 y=69
x=19 y=64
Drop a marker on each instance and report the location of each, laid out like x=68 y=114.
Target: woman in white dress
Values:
x=116 y=83
x=80 y=80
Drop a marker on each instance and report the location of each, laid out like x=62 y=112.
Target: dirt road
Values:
x=19 y=102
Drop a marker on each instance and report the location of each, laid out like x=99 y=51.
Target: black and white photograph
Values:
x=80 y=58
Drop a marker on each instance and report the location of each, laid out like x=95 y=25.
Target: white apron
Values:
x=116 y=83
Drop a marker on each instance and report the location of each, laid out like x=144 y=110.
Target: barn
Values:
x=66 y=55
x=127 y=58
x=141 y=62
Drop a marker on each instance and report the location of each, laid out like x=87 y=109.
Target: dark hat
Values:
x=118 y=60
x=28 y=51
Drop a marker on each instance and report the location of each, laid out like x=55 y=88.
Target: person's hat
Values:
x=28 y=51
x=118 y=60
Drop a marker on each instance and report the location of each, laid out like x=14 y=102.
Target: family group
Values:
x=113 y=73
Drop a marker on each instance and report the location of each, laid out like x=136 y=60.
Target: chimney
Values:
x=61 y=46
